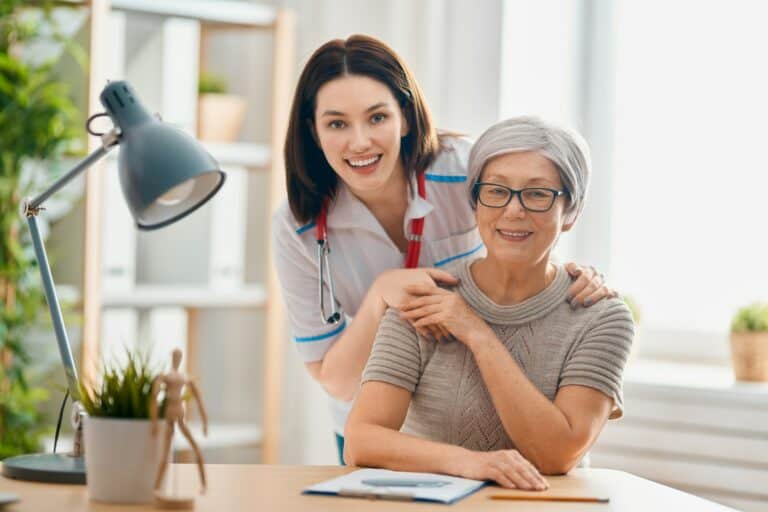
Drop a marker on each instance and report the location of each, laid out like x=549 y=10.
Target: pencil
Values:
x=522 y=497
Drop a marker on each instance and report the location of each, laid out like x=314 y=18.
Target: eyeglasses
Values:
x=536 y=199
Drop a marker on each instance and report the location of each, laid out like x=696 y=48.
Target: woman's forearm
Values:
x=539 y=429
x=377 y=446
x=340 y=370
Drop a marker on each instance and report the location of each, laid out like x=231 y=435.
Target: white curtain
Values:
x=453 y=48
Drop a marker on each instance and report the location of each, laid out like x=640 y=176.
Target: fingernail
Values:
x=588 y=302
x=574 y=304
x=568 y=298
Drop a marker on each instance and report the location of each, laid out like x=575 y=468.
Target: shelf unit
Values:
x=160 y=46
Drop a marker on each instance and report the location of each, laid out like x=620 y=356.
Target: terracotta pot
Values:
x=749 y=351
x=220 y=117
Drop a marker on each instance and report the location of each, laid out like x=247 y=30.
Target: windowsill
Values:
x=690 y=379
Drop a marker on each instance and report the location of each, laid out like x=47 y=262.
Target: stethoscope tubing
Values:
x=324 y=251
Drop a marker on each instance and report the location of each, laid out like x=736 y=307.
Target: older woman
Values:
x=526 y=383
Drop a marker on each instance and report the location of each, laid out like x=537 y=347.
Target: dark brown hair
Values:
x=309 y=177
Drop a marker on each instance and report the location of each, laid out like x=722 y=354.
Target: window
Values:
x=688 y=228
x=673 y=98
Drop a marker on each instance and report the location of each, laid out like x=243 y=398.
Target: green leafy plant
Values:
x=752 y=318
x=211 y=84
x=124 y=392
x=38 y=122
x=634 y=308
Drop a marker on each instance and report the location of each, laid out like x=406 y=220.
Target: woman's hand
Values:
x=435 y=307
x=506 y=467
x=391 y=287
x=588 y=287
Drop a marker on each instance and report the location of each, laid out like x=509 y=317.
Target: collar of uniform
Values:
x=418 y=207
x=347 y=211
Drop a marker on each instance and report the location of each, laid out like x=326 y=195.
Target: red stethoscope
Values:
x=324 y=249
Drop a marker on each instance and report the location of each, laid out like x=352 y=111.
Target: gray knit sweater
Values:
x=553 y=344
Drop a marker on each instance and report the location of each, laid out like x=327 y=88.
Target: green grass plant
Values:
x=124 y=392
x=211 y=84
x=752 y=318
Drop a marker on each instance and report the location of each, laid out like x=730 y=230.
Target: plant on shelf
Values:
x=211 y=84
x=118 y=428
x=38 y=122
x=125 y=392
x=220 y=115
x=752 y=318
x=749 y=343
x=634 y=308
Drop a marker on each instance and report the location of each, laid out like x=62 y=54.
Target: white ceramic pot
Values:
x=121 y=459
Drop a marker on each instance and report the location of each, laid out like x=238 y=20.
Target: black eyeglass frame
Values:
x=519 y=193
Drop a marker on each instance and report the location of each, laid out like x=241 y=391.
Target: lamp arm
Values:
x=30 y=210
x=108 y=141
x=53 y=305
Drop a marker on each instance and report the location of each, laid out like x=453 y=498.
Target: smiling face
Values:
x=358 y=125
x=512 y=234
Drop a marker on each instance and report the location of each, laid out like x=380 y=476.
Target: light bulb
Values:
x=177 y=194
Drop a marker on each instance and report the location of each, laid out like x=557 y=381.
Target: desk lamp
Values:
x=165 y=175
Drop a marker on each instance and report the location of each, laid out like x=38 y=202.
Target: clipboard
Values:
x=383 y=484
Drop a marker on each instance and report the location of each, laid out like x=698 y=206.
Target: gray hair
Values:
x=565 y=148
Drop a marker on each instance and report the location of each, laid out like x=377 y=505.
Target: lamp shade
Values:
x=165 y=173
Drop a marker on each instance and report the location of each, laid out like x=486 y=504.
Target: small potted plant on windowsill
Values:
x=634 y=308
x=121 y=454
x=220 y=115
x=749 y=343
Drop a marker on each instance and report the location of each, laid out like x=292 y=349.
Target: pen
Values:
x=375 y=495
x=521 y=497
x=404 y=482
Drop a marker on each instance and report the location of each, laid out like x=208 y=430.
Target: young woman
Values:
x=525 y=383
x=372 y=188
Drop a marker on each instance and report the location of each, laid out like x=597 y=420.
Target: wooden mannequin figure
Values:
x=174 y=382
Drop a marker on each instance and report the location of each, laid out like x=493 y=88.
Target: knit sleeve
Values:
x=599 y=358
x=395 y=358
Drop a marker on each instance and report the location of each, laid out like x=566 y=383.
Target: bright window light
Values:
x=688 y=231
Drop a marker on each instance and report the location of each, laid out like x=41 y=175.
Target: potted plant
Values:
x=38 y=124
x=121 y=453
x=749 y=343
x=634 y=308
x=220 y=115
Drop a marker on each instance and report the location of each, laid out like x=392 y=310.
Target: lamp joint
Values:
x=110 y=138
x=27 y=210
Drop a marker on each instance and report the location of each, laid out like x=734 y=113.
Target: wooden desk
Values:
x=278 y=488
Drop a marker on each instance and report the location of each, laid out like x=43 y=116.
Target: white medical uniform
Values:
x=361 y=250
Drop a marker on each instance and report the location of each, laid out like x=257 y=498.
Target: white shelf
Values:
x=148 y=296
x=243 y=154
x=707 y=382
x=219 y=436
x=229 y=12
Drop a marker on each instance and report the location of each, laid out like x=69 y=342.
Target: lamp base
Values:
x=46 y=467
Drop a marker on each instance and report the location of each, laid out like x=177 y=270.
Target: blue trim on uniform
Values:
x=448 y=260
x=322 y=336
x=340 y=448
x=445 y=178
x=306 y=227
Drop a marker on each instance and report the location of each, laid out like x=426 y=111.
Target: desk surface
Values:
x=261 y=487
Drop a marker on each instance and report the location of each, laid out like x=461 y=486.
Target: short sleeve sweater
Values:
x=554 y=346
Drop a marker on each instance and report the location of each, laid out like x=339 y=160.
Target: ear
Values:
x=569 y=219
